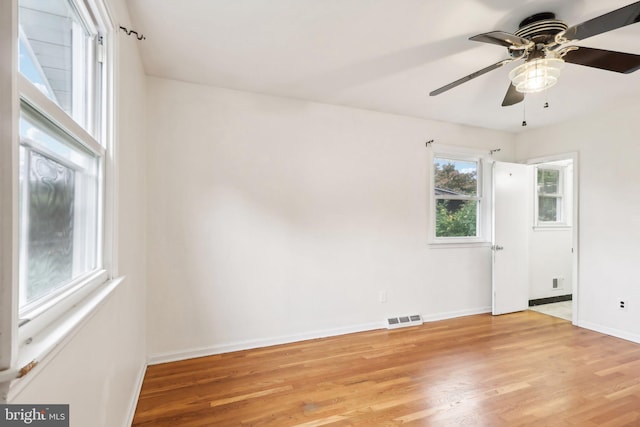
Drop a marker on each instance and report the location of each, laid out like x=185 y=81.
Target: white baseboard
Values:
x=257 y=343
x=610 y=331
x=286 y=339
x=454 y=314
x=136 y=395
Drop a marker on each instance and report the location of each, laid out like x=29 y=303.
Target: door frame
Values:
x=575 y=226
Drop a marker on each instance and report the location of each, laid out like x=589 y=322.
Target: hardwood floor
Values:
x=522 y=369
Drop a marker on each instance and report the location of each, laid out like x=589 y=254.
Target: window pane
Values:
x=53 y=53
x=548 y=181
x=456 y=218
x=58 y=210
x=455 y=177
x=51 y=197
x=549 y=208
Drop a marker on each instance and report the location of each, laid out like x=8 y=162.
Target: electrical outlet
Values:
x=557 y=283
x=622 y=304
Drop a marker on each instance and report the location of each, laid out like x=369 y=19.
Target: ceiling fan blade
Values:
x=502 y=39
x=470 y=77
x=618 y=18
x=620 y=62
x=512 y=97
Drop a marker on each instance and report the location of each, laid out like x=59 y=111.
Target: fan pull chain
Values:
x=546 y=98
x=524 y=113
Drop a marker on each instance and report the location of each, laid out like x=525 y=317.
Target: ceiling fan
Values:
x=541 y=41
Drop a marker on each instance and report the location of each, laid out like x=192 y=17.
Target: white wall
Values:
x=549 y=257
x=275 y=219
x=609 y=226
x=99 y=371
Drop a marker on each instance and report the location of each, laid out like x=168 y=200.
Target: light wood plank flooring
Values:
x=522 y=369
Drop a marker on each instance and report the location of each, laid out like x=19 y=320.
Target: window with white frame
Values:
x=550 y=197
x=459 y=208
x=59 y=45
x=63 y=143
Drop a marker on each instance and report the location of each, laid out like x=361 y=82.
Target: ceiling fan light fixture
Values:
x=537 y=75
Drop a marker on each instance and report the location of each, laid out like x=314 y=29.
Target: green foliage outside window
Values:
x=460 y=221
x=450 y=178
x=456 y=192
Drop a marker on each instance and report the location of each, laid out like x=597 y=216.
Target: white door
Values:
x=510 y=238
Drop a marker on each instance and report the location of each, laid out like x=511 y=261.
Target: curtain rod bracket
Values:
x=129 y=32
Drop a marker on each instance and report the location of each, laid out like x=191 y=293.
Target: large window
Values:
x=459 y=208
x=457 y=197
x=62 y=151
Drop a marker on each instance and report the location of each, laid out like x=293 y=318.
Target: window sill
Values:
x=39 y=351
x=458 y=244
x=559 y=227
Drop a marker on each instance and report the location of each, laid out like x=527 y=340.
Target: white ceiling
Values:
x=384 y=55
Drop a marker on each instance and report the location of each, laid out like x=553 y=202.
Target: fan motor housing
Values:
x=541 y=28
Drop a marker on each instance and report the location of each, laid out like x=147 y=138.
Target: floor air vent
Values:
x=404 y=321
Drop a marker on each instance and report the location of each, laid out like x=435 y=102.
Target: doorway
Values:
x=551 y=236
x=535 y=221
